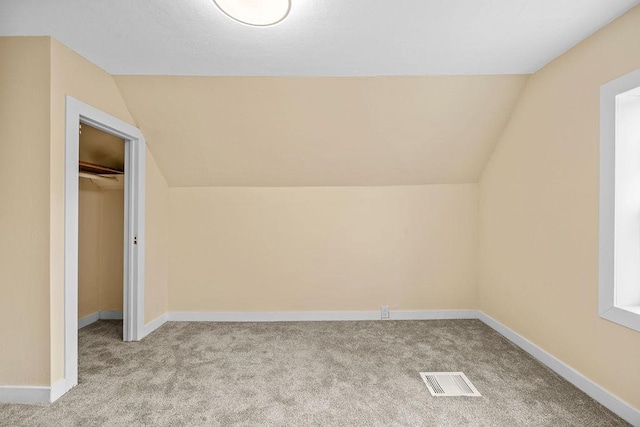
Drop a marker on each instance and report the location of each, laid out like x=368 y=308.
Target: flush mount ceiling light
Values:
x=259 y=13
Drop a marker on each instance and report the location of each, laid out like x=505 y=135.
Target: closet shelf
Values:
x=97 y=169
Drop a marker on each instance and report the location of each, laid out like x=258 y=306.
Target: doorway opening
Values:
x=100 y=226
x=91 y=120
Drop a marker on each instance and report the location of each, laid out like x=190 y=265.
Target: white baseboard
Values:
x=270 y=316
x=87 y=320
x=111 y=315
x=154 y=324
x=433 y=314
x=103 y=314
x=24 y=394
x=18 y=394
x=302 y=316
x=57 y=390
x=596 y=392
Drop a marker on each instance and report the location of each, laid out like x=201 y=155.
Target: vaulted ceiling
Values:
x=101 y=148
x=319 y=38
x=309 y=131
x=299 y=104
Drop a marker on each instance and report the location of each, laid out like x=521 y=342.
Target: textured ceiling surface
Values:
x=319 y=38
x=310 y=131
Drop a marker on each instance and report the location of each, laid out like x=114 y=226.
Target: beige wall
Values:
x=24 y=211
x=321 y=131
x=156 y=292
x=333 y=248
x=539 y=214
x=89 y=232
x=101 y=252
x=111 y=250
x=72 y=75
x=36 y=74
x=323 y=249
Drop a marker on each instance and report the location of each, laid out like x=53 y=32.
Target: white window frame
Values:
x=619 y=221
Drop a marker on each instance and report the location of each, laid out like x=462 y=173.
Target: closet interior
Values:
x=100 y=225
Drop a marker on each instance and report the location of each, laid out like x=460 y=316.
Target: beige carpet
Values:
x=308 y=373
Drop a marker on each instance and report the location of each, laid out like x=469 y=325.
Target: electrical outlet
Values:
x=384 y=312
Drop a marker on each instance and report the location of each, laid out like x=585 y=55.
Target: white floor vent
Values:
x=449 y=384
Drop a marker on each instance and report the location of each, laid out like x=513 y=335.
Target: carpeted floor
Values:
x=308 y=373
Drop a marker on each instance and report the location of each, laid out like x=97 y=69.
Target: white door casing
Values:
x=134 y=230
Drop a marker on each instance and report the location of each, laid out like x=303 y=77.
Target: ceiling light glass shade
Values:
x=255 y=12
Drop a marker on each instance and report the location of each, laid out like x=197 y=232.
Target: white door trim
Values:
x=133 y=289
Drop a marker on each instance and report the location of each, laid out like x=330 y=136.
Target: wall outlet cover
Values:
x=384 y=312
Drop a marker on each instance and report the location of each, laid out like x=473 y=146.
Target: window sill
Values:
x=635 y=309
x=628 y=316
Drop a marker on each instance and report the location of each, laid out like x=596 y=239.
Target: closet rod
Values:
x=96 y=176
x=93 y=168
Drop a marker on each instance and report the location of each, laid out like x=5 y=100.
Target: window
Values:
x=619 y=299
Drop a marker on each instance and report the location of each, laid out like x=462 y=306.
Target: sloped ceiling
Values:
x=318 y=38
x=252 y=131
x=101 y=148
x=298 y=107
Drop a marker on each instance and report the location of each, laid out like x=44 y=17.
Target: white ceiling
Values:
x=319 y=38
